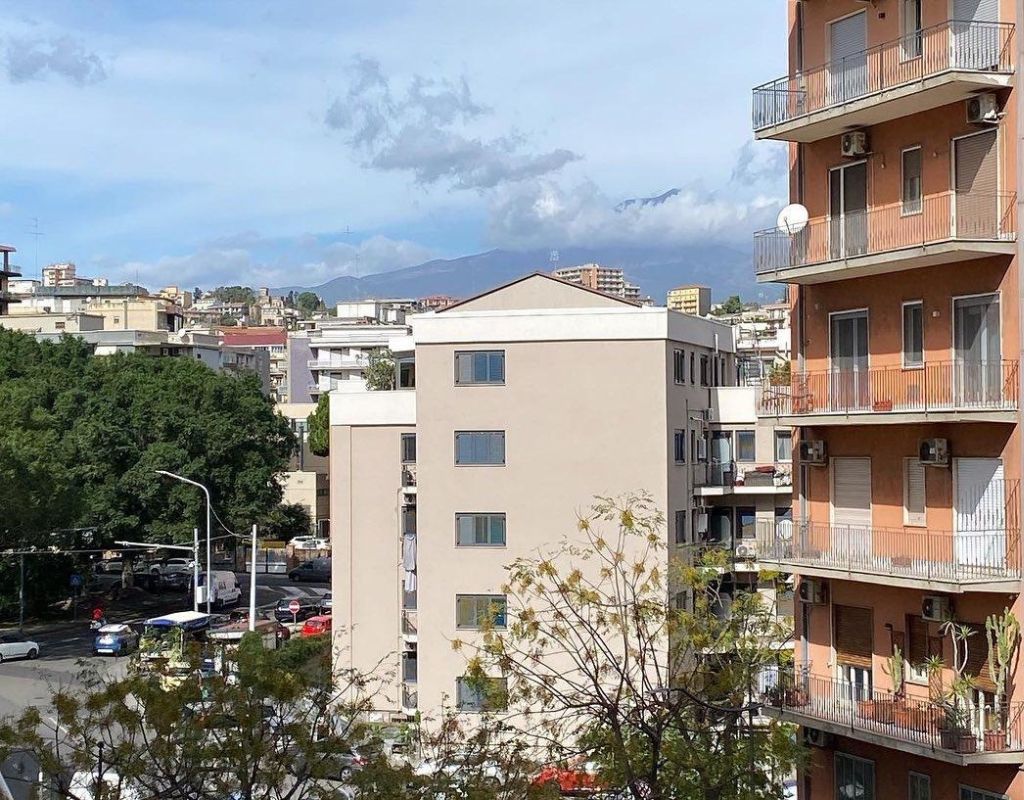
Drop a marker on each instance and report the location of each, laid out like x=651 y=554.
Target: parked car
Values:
x=109 y=565
x=14 y=645
x=115 y=640
x=171 y=566
x=302 y=542
x=326 y=604
x=463 y=767
x=307 y=608
x=316 y=626
x=316 y=569
x=242 y=615
x=580 y=780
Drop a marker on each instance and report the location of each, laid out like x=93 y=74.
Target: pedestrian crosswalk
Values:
x=302 y=591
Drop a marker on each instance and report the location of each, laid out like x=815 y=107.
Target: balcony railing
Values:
x=972 y=556
x=943 y=217
x=952 y=46
x=943 y=386
x=410 y=697
x=965 y=728
x=409 y=625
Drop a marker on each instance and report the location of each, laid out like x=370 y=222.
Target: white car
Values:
x=172 y=566
x=14 y=645
x=309 y=543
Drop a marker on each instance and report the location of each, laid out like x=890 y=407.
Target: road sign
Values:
x=76 y=581
x=294 y=607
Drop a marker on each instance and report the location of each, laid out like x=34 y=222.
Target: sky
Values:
x=209 y=143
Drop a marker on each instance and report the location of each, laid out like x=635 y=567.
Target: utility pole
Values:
x=21 y=594
x=36 y=233
x=252 y=583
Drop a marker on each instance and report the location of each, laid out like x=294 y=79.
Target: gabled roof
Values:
x=592 y=295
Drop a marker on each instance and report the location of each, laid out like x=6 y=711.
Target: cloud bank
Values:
x=27 y=59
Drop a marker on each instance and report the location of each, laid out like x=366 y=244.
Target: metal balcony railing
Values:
x=951 y=46
x=964 y=726
x=934 y=387
x=943 y=217
x=410 y=696
x=972 y=556
x=409 y=622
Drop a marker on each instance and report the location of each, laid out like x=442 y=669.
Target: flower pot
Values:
x=795 y=697
x=919 y=719
x=995 y=741
x=866 y=709
x=965 y=742
x=947 y=738
x=901 y=715
x=885 y=711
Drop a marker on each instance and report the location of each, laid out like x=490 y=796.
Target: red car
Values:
x=316 y=626
x=578 y=781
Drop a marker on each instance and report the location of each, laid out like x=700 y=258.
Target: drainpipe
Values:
x=1019 y=183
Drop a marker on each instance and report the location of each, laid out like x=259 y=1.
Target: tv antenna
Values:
x=36 y=233
x=553 y=259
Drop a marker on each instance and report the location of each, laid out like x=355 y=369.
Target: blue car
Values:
x=115 y=640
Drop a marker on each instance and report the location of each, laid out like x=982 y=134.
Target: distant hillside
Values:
x=655 y=270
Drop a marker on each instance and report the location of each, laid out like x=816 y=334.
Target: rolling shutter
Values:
x=849 y=36
x=851 y=483
x=977 y=659
x=853 y=636
x=913 y=492
x=976 y=10
x=917 y=640
x=977 y=184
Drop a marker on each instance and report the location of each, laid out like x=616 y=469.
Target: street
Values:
x=65 y=648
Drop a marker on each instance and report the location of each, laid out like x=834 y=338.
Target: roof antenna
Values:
x=35 y=232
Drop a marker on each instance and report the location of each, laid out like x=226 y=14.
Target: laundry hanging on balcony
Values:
x=409 y=560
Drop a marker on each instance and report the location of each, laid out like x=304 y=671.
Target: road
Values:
x=65 y=648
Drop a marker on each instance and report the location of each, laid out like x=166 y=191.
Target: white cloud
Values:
x=35 y=59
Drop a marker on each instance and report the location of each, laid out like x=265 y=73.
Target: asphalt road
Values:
x=65 y=648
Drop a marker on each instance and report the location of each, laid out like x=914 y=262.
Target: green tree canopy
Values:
x=234 y=294
x=319 y=427
x=308 y=303
x=286 y=521
x=732 y=305
x=380 y=373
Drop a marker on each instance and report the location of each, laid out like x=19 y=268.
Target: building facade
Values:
x=604 y=279
x=902 y=119
x=692 y=299
x=7 y=271
x=520 y=395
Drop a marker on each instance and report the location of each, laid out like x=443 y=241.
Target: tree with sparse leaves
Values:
x=380 y=372
x=732 y=305
x=621 y=654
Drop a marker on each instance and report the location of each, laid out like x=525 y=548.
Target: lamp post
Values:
x=209 y=565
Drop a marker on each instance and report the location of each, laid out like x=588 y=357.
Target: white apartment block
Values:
x=529 y=400
x=609 y=280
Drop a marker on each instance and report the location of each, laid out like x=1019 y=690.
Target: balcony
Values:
x=941 y=229
x=945 y=391
x=719 y=478
x=935 y=67
x=964 y=734
x=409 y=626
x=947 y=561
x=410 y=699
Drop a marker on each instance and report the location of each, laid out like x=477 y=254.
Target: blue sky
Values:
x=288 y=143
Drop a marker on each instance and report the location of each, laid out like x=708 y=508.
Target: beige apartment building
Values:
x=609 y=280
x=691 y=299
x=529 y=400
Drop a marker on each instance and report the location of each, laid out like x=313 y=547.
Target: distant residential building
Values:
x=388 y=311
x=140 y=313
x=177 y=295
x=58 y=323
x=690 y=299
x=435 y=302
x=21 y=287
x=7 y=271
x=605 y=279
x=273 y=341
x=66 y=274
x=306 y=481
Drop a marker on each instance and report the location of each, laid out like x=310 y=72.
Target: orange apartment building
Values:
x=902 y=119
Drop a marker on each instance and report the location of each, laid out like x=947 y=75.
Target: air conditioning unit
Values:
x=702 y=449
x=934 y=452
x=746 y=550
x=936 y=608
x=702 y=523
x=812 y=451
x=812 y=591
x=855 y=144
x=983 y=109
x=813 y=737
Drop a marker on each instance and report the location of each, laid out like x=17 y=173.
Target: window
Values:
x=409 y=519
x=720 y=526
x=474 y=610
x=479 y=447
x=913 y=492
x=481 y=694
x=704 y=364
x=679 y=442
x=480 y=366
x=910 y=44
x=408 y=448
x=783 y=445
x=680 y=527
x=59 y=326
x=679 y=365
x=913 y=334
x=746 y=522
x=692 y=379
x=480 y=530
x=970 y=793
x=406 y=374
x=855 y=778
x=745 y=446
x=911 y=161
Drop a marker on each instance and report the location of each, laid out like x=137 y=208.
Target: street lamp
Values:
x=209 y=565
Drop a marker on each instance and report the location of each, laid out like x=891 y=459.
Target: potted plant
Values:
x=956 y=733
x=894 y=668
x=1003 y=633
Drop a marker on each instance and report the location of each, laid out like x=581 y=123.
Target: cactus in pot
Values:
x=1003 y=634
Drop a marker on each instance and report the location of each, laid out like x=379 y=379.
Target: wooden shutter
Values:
x=853 y=635
x=917 y=640
x=977 y=659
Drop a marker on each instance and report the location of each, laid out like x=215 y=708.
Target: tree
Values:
x=286 y=521
x=227 y=321
x=197 y=294
x=319 y=426
x=308 y=303
x=599 y=663
x=235 y=294
x=269 y=725
x=732 y=305
x=380 y=373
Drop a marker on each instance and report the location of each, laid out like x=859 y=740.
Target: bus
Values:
x=172 y=642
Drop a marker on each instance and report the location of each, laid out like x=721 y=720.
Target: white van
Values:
x=225 y=588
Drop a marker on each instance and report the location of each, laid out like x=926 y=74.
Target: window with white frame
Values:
x=970 y=793
x=855 y=778
x=919 y=787
x=913 y=334
x=783 y=446
x=913 y=492
x=745 y=450
x=910 y=43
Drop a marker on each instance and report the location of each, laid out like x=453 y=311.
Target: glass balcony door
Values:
x=977 y=353
x=848 y=210
x=849 y=386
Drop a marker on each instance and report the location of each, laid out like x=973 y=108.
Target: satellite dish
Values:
x=792 y=219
